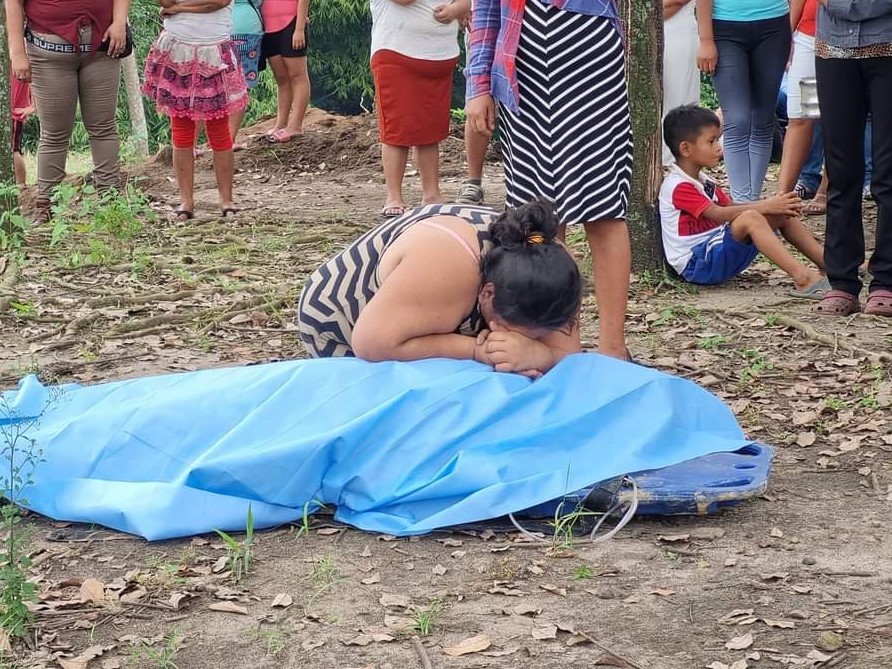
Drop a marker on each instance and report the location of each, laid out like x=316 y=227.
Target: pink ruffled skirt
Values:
x=195 y=81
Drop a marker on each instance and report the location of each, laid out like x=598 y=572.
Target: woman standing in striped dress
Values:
x=555 y=71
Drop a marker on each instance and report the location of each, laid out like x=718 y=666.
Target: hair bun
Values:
x=529 y=224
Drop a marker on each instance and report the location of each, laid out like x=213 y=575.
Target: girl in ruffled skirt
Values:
x=192 y=74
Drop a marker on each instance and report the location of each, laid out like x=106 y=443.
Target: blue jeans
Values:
x=752 y=57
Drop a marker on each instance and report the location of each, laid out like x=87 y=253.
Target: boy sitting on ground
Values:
x=709 y=239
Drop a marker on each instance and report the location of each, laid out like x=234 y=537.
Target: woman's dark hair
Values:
x=535 y=279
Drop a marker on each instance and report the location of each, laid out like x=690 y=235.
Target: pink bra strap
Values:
x=475 y=255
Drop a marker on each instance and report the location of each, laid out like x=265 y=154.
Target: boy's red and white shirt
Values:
x=683 y=200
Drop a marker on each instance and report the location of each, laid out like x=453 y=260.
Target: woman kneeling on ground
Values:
x=449 y=281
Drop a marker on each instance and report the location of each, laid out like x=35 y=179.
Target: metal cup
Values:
x=808 y=88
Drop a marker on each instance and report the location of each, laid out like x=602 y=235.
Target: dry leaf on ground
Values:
x=474 y=644
x=229 y=607
x=397 y=601
x=282 y=601
x=92 y=590
x=740 y=642
x=544 y=632
x=371 y=580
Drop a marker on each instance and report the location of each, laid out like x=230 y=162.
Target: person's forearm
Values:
x=120 y=11
x=485 y=25
x=672 y=7
x=727 y=214
x=15 y=26
x=704 y=20
x=796 y=7
x=303 y=11
x=454 y=346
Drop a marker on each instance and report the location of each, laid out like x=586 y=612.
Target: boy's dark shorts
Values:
x=281 y=43
x=719 y=258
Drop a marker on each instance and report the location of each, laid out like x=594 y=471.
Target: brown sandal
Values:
x=879 y=302
x=817 y=206
x=838 y=303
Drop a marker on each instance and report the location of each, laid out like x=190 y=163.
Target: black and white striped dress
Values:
x=571 y=139
x=335 y=294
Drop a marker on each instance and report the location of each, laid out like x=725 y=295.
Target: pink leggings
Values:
x=183 y=132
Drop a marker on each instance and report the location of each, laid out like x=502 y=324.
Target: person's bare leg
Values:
x=235 y=122
x=284 y=91
x=428 y=160
x=224 y=168
x=754 y=226
x=612 y=264
x=300 y=92
x=797 y=144
x=184 y=169
x=394 y=159
x=476 y=146
x=21 y=176
x=801 y=238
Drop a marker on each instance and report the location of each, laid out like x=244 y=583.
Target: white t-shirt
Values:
x=208 y=28
x=412 y=30
x=682 y=203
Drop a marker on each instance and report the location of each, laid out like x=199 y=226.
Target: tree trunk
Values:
x=7 y=171
x=138 y=129
x=643 y=20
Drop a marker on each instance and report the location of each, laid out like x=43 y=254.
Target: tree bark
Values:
x=138 y=128
x=643 y=21
x=7 y=170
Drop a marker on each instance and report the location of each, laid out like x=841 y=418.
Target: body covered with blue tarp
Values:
x=401 y=448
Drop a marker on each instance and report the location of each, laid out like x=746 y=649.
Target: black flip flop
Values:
x=228 y=212
x=183 y=214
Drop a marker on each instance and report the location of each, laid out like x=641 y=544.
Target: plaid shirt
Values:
x=495 y=34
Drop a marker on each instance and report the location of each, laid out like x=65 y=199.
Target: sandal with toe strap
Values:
x=879 y=302
x=838 y=303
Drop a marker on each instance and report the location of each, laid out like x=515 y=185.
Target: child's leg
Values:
x=300 y=87
x=802 y=239
x=20 y=175
x=751 y=225
x=182 y=135
x=220 y=141
x=428 y=160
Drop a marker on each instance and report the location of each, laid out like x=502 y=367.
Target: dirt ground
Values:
x=800 y=577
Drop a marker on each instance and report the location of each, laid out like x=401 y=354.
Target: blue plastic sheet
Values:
x=401 y=448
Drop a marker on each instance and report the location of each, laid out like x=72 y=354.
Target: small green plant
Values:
x=22 y=453
x=162 y=656
x=757 y=362
x=240 y=554
x=771 y=320
x=13 y=225
x=23 y=309
x=274 y=640
x=565 y=525
x=583 y=572
x=713 y=342
x=325 y=570
x=835 y=403
x=424 y=619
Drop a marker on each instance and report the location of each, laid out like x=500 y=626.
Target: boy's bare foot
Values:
x=815 y=290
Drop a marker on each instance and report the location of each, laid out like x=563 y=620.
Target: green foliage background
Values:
x=340 y=39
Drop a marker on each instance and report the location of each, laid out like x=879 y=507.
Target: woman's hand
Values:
x=167 y=3
x=452 y=11
x=481 y=114
x=707 y=56
x=21 y=66
x=116 y=35
x=299 y=40
x=513 y=352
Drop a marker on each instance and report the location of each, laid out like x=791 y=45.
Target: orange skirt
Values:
x=412 y=97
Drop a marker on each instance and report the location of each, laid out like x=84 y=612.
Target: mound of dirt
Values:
x=330 y=142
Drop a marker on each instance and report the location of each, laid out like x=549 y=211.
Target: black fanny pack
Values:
x=128 y=44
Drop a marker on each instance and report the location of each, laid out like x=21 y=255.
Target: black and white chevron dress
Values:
x=335 y=294
x=571 y=139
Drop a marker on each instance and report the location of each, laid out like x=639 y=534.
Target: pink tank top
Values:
x=277 y=14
